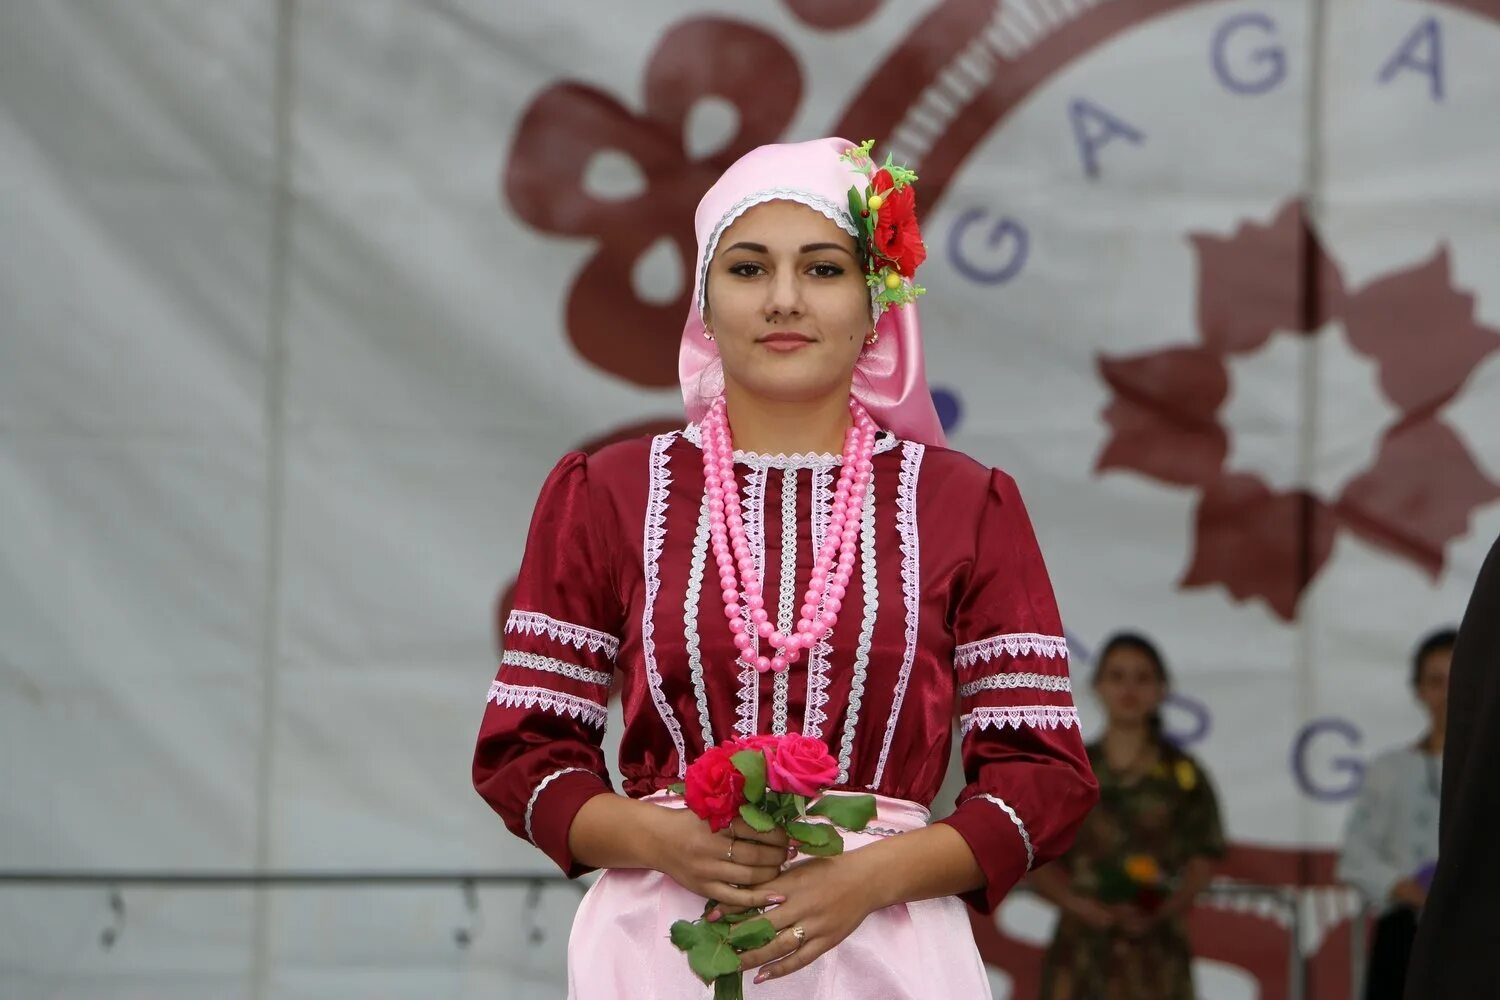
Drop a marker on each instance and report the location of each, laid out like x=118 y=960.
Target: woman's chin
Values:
x=789 y=382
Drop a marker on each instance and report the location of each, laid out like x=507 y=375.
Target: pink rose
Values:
x=767 y=745
x=715 y=789
x=802 y=766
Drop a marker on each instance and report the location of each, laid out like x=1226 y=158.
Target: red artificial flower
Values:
x=896 y=237
x=802 y=766
x=880 y=182
x=714 y=788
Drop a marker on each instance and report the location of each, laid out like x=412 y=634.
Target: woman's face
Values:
x=1129 y=687
x=1432 y=685
x=787 y=304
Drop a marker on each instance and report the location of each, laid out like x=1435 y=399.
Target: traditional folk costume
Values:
x=946 y=611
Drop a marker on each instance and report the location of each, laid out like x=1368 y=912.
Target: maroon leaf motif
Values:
x=1254 y=283
x=1163 y=415
x=1423 y=332
x=1419 y=495
x=1259 y=543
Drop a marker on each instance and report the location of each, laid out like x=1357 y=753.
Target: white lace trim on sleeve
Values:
x=1020 y=826
x=1014 y=644
x=1017 y=680
x=531 y=803
x=586 y=710
x=577 y=636
x=1016 y=716
x=551 y=665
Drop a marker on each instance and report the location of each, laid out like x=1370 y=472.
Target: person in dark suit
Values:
x=1457 y=952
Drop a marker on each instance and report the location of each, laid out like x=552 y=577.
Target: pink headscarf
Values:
x=889 y=377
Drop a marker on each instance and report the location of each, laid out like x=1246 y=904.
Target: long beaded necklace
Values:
x=832 y=566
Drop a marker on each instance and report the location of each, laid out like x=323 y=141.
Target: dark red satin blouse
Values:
x=949 y=611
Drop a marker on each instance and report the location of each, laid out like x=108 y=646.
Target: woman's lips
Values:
x=786 y=341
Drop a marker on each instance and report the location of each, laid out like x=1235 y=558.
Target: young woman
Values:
x=1141 y=857
x=1391 y=846
x=805 y=556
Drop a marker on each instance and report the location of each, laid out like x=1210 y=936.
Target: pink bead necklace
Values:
x=834 y=562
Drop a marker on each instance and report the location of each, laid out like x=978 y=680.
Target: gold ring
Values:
x=730 y=853
x=799 y=934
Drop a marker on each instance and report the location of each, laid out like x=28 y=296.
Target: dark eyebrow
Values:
x=806 y=248
x=810 y=247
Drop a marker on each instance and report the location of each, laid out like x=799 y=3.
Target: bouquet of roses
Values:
x=769 y=782
x=1136 y=879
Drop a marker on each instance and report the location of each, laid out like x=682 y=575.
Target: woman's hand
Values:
x=828 y=898
x=731 y=866
x=1132 y=921
x=1091 y=912
x=1409 y=892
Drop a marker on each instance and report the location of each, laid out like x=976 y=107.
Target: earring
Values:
x=874 y=337
x=708 y=334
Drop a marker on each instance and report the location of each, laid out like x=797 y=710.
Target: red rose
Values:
x=715 y=789
x=802 y=766
x=767 y=745
x=896 y=236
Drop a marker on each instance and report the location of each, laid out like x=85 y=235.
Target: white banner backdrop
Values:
x=302 y=299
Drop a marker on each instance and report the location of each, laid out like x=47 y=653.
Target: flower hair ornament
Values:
x=886 y=215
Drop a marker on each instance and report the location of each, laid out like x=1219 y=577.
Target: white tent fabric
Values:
x=282 y=368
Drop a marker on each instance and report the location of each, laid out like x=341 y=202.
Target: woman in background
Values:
x=1391 y=847
x=1142 y=856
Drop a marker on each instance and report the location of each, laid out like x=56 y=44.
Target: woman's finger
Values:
x=780 y=949
x=744 y=831
x=746 y=875
x=745 y=852
x=738 y=898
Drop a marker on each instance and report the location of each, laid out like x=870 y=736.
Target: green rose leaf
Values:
x=688 y=934
x=811 y=834
x=731 y=987
x=713 y=959
x=828 y=850
x=677 y=789
x=800 y=801
x=852 y=812
x=752 y=934
x=752 y=764
x=759 y=821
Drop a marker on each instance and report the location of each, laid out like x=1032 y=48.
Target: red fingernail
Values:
x=712 y=915
x=776 y=900
x=760 y=978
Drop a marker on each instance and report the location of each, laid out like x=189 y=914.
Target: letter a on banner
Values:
x=1422 y=52
x=1095 y=128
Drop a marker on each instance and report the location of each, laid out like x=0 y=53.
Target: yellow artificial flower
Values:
x=1187 y=775
x=1142 y=868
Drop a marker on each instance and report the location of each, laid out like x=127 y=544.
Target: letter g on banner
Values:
x=1325 y=786
x=1269 y=59
x=1005 y=245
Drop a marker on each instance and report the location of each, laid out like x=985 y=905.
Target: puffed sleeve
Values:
x=1029 y=781
x=538 y=758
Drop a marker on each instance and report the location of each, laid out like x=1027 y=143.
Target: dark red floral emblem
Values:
x=1277 y=279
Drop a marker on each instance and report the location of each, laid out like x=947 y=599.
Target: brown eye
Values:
x=746 y=269
x=825 y=270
